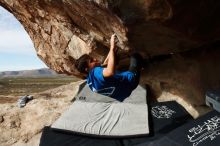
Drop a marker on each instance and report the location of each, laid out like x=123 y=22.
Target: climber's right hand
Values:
x=112 y=42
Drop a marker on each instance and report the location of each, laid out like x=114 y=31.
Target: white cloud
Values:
x=13 y=37
x=16 y=41
x=16 y=48
x=8 y=21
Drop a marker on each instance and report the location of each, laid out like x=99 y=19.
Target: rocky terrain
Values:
x=23 y=126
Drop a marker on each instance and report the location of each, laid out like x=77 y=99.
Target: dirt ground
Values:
x=7 y=99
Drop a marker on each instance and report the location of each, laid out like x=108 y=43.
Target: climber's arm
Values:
x=110 y=69
x=106 y=60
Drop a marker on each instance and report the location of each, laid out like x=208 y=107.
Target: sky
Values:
x=16 y=48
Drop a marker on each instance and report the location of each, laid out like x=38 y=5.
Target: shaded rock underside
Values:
x=180 y=37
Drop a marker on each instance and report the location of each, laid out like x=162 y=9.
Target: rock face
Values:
x=63 y=30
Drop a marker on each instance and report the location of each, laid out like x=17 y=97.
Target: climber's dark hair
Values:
x=81 y=64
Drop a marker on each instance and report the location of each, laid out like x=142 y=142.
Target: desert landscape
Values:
x=51 y=96
x=14 y=84
x=13 y=87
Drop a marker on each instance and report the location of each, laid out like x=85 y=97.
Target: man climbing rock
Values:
x=104 y=79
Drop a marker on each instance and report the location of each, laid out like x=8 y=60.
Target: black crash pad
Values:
x=204 y=131
x=165 y=117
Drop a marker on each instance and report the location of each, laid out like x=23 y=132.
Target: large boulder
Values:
x=63 y=30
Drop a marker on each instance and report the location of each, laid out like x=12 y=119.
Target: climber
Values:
x=104 y=79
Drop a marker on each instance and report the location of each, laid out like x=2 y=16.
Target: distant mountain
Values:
x=44 y=72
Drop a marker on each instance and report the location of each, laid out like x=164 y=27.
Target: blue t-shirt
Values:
x=118 y=86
